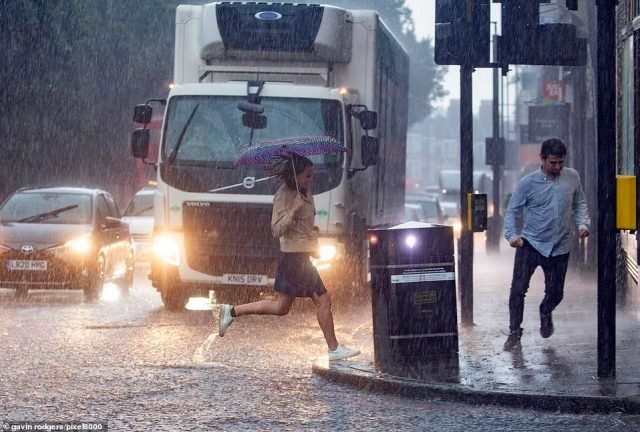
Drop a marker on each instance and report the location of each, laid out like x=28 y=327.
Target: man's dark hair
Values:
x=553 y=146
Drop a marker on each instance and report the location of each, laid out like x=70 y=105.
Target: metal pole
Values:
x=465 y=246
x=606 y=103
x=493 y=234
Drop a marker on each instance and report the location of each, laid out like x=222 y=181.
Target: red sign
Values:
x=553 y=91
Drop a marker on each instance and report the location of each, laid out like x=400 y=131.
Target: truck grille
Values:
x=230 y=238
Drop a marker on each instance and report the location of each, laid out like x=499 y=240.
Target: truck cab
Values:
x=246 y=73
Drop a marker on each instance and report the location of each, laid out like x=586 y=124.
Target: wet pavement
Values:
x=559 y=373
x=128 y=363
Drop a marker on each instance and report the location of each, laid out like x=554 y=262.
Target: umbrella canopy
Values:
x=268 y=152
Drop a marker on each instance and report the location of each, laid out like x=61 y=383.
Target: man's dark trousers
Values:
x=526 y=261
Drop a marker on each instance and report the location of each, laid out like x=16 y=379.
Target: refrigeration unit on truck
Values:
x=249 y=72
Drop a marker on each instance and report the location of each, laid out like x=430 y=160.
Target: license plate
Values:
x=244 y=279
x=26 y=265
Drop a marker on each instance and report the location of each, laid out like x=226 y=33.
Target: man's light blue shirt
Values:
x=550 y=208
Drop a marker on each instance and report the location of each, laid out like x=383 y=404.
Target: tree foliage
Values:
x=72 y=70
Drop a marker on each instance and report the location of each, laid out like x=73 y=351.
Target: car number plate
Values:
x=244 y=279
x=26 y=265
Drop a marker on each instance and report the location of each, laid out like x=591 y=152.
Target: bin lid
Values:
x=413 y=224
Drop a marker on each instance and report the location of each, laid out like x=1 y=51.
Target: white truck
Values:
x=248 y=72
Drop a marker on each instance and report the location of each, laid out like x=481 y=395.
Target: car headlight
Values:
x=166 y=249
x=80 y=245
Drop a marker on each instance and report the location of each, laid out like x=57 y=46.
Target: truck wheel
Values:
x=174 y=297
x=348 y=284
x=237 y=295
x=93 y=289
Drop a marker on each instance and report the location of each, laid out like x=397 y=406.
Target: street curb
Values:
x=343 y=372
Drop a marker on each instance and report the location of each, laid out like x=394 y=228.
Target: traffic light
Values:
x=462 y=32
x=525 y=41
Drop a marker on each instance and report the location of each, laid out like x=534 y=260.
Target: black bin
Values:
x=413 y=292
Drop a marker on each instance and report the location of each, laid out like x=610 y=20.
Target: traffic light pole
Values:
x=494 y=229
x=462 y=38
x=606 y=102
x=465 y=245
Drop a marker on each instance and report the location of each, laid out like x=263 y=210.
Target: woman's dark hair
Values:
x=284 y=169
x=553 y=146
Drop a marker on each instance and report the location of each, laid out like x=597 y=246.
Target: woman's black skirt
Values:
x=297 y=276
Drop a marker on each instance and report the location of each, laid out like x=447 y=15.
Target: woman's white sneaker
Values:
x=342 y=352
x=224 y=318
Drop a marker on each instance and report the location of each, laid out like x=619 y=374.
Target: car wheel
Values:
x=93 y=289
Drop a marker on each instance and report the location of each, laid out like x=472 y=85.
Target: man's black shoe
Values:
x=513 y=341
x=546 y=326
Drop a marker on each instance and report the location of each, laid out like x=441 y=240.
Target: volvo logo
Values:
x=249 y=182
x=268 y=16
x=27 y=249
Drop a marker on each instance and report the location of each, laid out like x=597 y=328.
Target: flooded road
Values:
x=128 y=362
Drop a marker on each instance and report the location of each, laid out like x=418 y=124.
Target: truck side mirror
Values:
x=368 y=119
x=142 y=113
x=369 y=150
x=254 y=121
x=140 y=143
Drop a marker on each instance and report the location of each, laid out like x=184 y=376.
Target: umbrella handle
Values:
x=295 y=177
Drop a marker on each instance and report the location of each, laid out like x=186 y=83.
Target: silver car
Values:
x=139 y=216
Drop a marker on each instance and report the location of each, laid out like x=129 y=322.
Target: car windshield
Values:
x=140 y=205
x=429 y=204
x=430 y=208
x=47 y=207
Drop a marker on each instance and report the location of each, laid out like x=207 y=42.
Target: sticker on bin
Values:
x=423 y=275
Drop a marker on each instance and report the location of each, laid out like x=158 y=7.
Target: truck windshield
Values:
x=215 y=138
x=216 y=134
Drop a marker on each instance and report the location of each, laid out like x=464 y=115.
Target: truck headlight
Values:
x=328 y=252
x=166 y=249
x=80 y=245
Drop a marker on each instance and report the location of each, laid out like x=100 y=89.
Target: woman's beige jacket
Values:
x=296 y=234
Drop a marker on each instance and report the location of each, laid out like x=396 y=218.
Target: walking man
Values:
x=550 y=201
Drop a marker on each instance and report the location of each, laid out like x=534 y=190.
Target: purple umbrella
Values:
x=268 y=152
x=272 y=151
